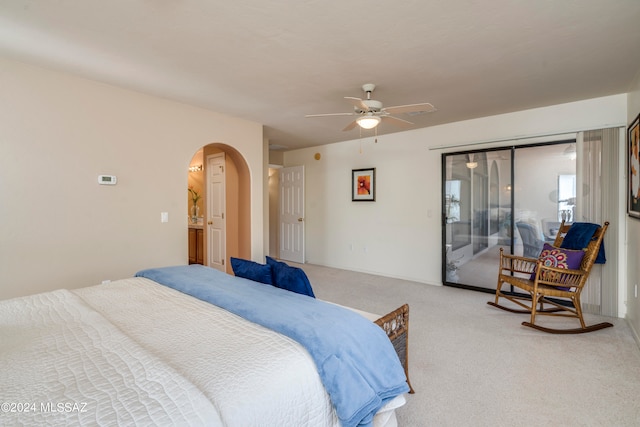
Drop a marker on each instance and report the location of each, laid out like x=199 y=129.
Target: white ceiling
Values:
x=274 y=61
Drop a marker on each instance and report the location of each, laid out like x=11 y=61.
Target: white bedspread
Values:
x=173 y=356
x=62 y=363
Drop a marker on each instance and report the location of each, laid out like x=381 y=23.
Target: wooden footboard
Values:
x=396 y=326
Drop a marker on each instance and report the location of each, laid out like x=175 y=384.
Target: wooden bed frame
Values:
x=396 y=326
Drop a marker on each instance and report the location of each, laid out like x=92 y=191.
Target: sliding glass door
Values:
x=510 y=198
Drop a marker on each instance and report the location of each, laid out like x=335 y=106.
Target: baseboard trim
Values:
x=636 y=337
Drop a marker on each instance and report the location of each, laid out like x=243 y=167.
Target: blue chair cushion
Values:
x=252 y=270
x=290 y=278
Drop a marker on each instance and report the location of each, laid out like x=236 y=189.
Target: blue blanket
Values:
x=579 y=236
x=355 y=359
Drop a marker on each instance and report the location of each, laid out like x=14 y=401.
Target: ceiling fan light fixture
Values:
x=368 y=122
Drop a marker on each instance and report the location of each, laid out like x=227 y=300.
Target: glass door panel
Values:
x=544 y=195
x=477 y=207
x=509 y=198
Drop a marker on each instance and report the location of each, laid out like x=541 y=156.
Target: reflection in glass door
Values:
x=509 y=198
x=477 y=201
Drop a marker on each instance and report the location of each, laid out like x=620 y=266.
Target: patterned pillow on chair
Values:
x=559 y=258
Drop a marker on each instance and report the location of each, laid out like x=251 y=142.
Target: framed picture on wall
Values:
x=633 y=168
x=363 y=185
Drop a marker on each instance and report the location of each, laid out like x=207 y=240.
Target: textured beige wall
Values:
x=58 y=227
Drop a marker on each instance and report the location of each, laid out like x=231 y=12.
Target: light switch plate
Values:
x=164 y=216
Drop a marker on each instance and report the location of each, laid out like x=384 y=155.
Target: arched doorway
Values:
x=237 y=205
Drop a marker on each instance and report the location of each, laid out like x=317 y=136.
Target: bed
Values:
x=139 y=351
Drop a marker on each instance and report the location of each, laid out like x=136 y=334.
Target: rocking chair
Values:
x=558 y=287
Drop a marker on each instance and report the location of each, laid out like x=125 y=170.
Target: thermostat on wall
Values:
x=107 y=179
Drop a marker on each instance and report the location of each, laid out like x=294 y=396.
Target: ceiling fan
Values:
x=371 y=112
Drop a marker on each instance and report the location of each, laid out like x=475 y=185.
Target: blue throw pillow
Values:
x=290 y=278
x=252 y=270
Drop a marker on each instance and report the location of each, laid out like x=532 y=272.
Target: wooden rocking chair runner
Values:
x=549 y=285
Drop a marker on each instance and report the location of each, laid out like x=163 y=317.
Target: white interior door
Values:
x=216 y=224
x=292 y=214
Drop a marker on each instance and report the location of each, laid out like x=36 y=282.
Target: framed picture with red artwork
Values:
x=363 y=185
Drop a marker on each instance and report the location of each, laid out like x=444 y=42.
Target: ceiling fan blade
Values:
x=357 y=102
x=330 y=114
x=350 y=126
x=411 y=108
x=396 y=121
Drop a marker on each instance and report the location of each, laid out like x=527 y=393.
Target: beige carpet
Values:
x=475 y=365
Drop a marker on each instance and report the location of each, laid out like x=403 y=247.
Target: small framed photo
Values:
x=363 y=185
x=633 y=168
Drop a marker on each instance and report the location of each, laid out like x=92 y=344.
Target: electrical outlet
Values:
x=104 y=282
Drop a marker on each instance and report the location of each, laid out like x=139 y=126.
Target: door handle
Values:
x=300 y=219
x=210 y=222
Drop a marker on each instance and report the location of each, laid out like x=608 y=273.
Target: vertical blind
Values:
x=599 y=200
